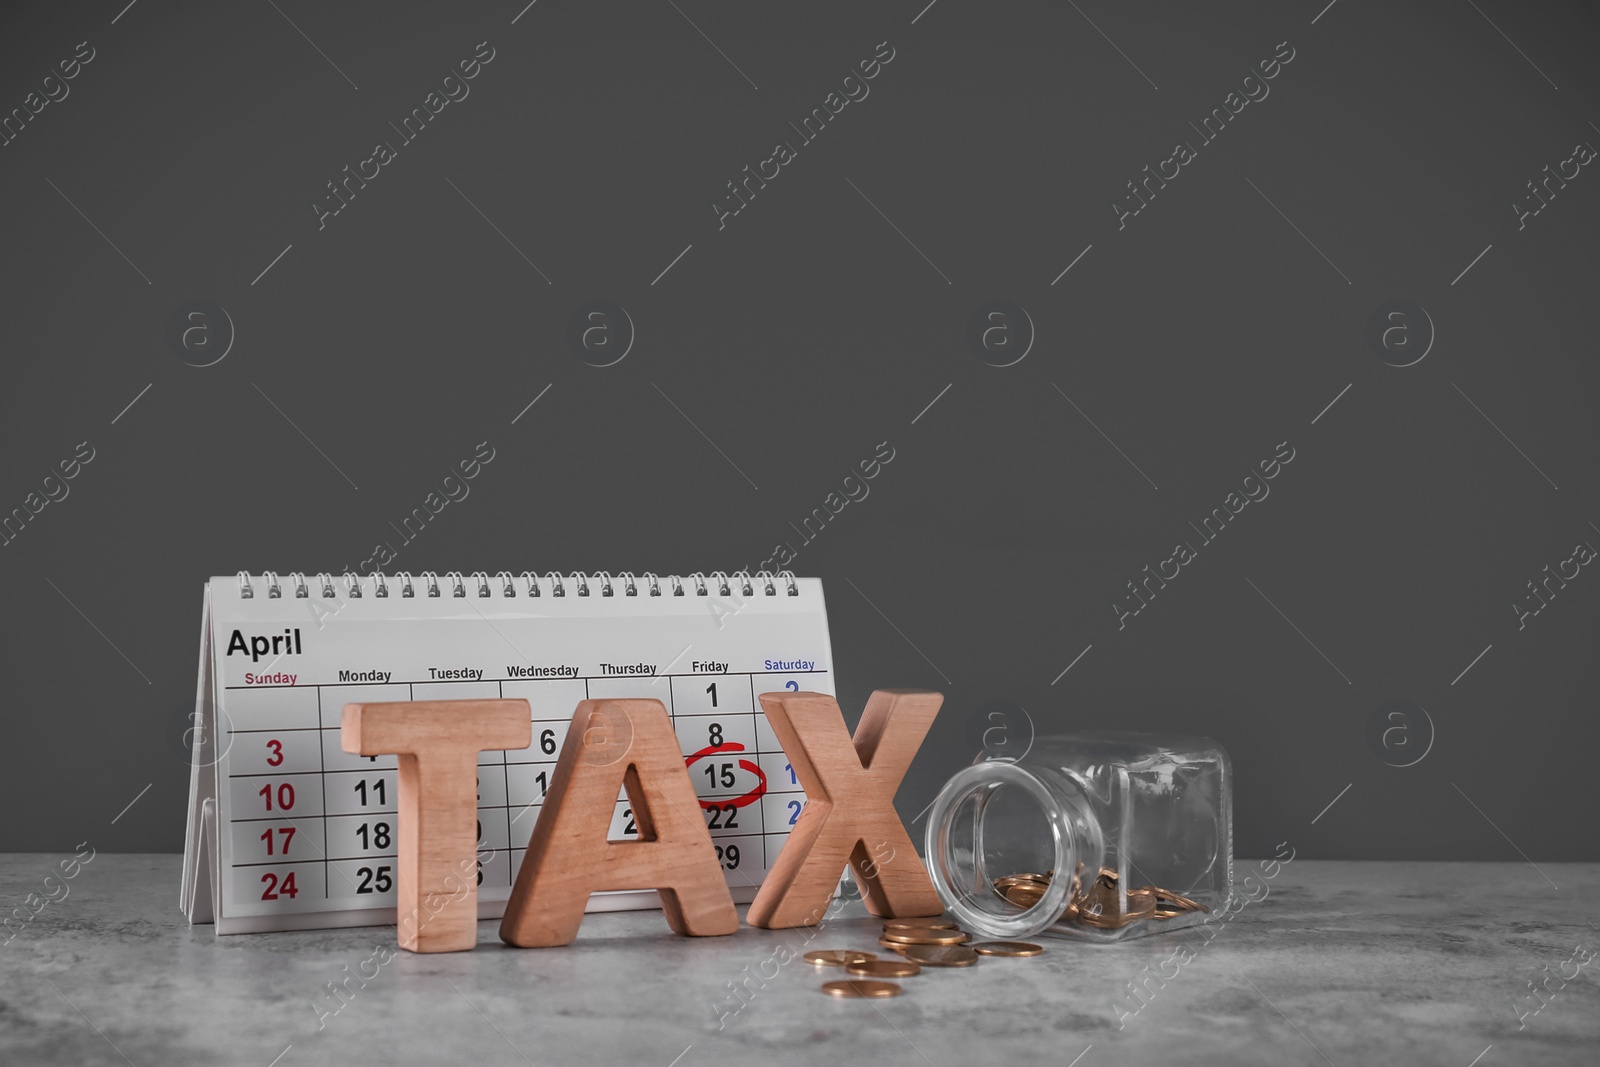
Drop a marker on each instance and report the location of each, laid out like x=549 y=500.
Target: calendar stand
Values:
x=305 y=835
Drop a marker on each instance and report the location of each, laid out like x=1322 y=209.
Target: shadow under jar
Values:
x=1096 y=836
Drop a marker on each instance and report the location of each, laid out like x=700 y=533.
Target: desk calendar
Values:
x=288 y=831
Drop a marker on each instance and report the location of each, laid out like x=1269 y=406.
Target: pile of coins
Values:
x=929 y=942
x=1099 y=906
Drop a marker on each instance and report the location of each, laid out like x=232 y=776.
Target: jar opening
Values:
x=1011 y=834
x=992 y=821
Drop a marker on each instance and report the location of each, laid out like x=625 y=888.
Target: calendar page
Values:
x=305 y=834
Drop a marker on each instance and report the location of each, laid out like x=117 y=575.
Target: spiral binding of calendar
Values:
x=480 y=585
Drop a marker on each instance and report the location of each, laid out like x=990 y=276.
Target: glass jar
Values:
x=1098 y=836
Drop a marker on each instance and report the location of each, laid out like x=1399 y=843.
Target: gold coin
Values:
x=882 y=969
x=1139 y=908
x=1102 y=909
x=1023 y=896
x=1022 y=879
x=1177 y=900
x=1113 y=920
x=1006 y=948
x=1006 y=886
x=862 y=988
x=941 y=955
x=927 y=937
x=1101 y=899
x=935 y=922
x=838 y=957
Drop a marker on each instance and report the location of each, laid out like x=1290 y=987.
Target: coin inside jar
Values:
x=1142 y=899
x=1023 y=895
x=861 y=988
x=837 y=957
x=1176 y=901
x=883 y=969
x=1021 y=881
x=1004 y=948
x=941 y=955
x=1103 y=909
x=1026 y=876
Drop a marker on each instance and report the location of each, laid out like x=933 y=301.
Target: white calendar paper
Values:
x=289 y=831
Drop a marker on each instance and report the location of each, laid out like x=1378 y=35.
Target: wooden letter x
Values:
x=438 y=742
x=612 y=745
x=849 y=816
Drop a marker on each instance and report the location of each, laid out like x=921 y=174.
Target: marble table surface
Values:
x=1336 y=963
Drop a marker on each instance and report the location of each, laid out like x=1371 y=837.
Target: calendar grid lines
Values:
x=505 y=774
x=276 y=729
x=322 y=780
x=763 y=828
x=281 y=774
x=761 y=809
x=577 y=677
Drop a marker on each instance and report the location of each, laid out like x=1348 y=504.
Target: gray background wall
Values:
x=1175 y=354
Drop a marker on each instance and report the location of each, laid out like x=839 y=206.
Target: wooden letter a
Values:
x=849 y=815
x=612 y=745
